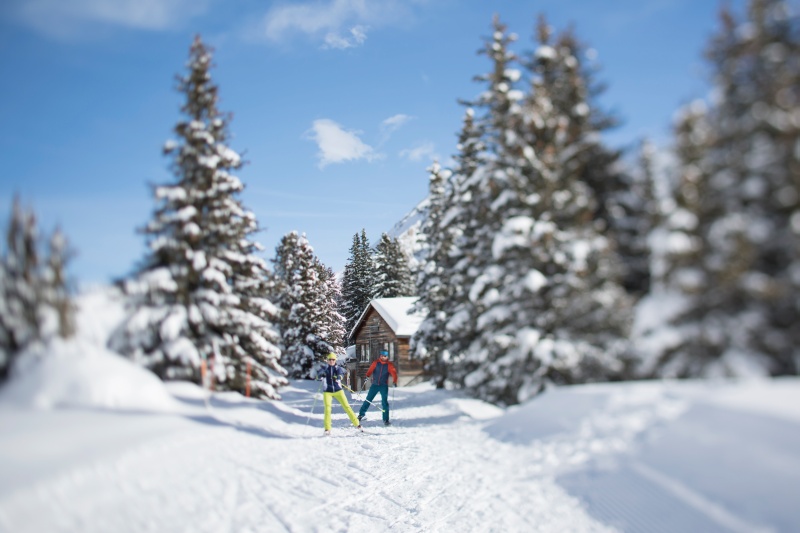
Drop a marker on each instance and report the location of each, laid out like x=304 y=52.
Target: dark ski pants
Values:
x=373 y=391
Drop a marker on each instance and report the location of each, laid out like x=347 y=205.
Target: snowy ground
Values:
x=90 y=443
x=627 y=457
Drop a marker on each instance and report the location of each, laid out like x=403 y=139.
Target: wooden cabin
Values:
x=384 y=325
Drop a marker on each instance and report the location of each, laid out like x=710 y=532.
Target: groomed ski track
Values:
x=448 y=463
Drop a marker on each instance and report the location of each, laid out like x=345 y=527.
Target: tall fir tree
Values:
x=358 y=282
x=735 y=237
x=636 y=210
x=478 y=196
x=22 y=317
x=306 y=300
x=198 y=296
x=430 y=342
x=35 y=298
x=544 y=304
x=623 y=199
x=392 y=274
x=255 y=356
x=57 y=292
x=332 y=322
x=452 y=251
x=677 y=276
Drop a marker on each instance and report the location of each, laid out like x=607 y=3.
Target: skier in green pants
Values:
x=332 y=375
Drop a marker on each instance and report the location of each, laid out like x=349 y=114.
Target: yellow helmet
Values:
x=331 y=356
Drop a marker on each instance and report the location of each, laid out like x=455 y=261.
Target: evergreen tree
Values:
x=678 y=277
x=199 y=294
x=22 y=314
x=35 y=301
x=478 y=198
x=6 y=355
x=56 y=286
x=735 y=239
x=254 y=321
x=392 y=275
x=454 y=250
x=431 y=339
x=638 y=217
x=332 y=322
x=624 y=201
x=306 y=301
x=545 y=303
x=358 y=282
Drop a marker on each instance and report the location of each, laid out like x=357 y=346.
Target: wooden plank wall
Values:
x=374 y=331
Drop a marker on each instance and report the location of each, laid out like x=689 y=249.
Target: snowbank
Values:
x=77 y=373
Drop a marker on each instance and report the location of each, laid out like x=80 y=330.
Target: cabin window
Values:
x=389 y=347
x=362 y=351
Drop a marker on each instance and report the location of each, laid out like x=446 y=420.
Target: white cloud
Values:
x=337 y=145
x=391 y=125
x=394 y=123
x=358 y=35
x=421 y=152
x=67 y=19
x=337 y=23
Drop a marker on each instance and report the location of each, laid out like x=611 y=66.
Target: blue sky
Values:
x=339 y=106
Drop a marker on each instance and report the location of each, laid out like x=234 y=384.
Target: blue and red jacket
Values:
x=382 y=372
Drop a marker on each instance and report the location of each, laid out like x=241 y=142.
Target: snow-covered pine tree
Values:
x=347 y=298
x=678 y=279
x=197 y=296
x=305 y=302
x=5 y=338
x=549 y=305
x=458 y=234
x=623 y=199
x=392 y=275
x=55 y=285
x=255 y=320
x=35 y=302
x=478 y=197
x=738 y=204
x=323 y=338
x=430 y=341
x=635 y=216
x=332 y=322
x=358 y=282
x=22 y=317
x=5 y=353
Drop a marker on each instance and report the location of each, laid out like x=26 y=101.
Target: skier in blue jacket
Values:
x=380 y=370
x=332 y=375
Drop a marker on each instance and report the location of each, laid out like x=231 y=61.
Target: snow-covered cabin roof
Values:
x=395 y=312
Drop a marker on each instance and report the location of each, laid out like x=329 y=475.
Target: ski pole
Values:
x=369 y=402
x=313 y=405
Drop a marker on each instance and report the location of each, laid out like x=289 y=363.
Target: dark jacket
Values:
x=380 y=372
x=332 y=375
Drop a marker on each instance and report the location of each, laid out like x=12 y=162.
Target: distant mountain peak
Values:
x=407 y=233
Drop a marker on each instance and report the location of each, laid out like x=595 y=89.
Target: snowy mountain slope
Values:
x=407 y=233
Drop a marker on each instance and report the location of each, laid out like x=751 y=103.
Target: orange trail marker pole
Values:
x=247 y=381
